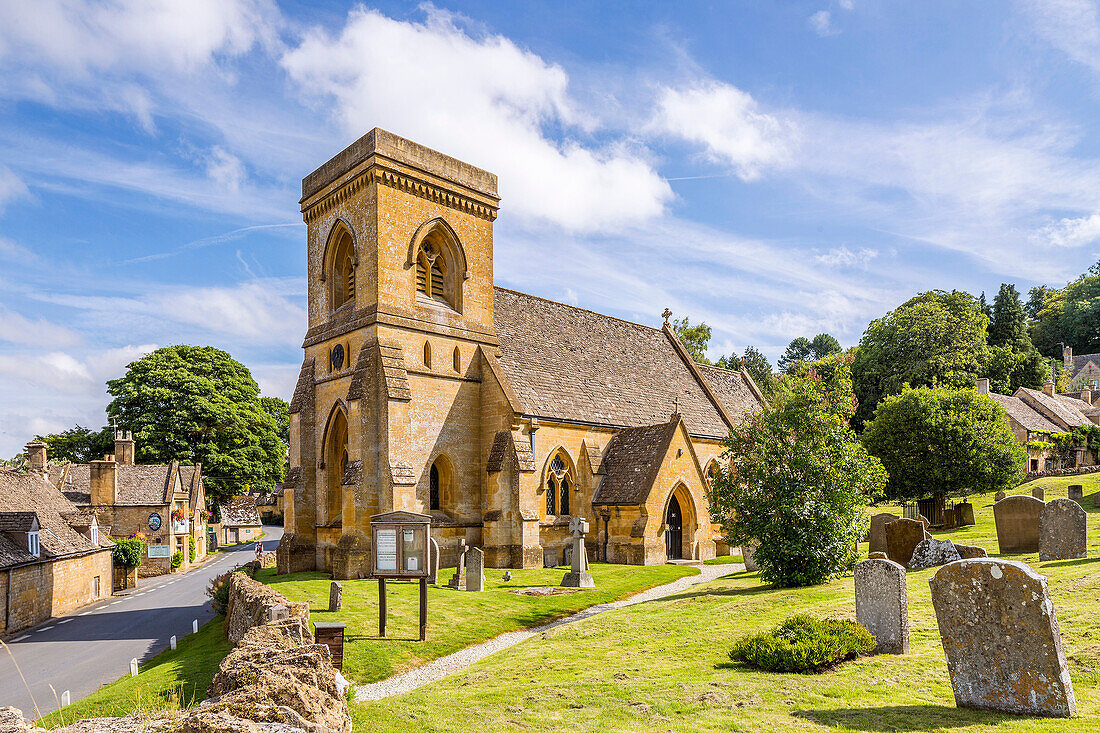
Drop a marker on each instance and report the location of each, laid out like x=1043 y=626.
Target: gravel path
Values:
x=440 y=668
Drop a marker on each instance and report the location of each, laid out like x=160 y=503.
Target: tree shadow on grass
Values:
x=755 y=590
x=901 y=717
x=1070 y=563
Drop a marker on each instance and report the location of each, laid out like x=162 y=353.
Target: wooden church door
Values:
x=674 y=530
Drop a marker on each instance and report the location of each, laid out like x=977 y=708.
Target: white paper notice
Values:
x=413 y=563
x=387 y=550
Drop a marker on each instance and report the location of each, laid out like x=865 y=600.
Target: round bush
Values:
x=177 y=560
x=804 y=644
x=128 y=552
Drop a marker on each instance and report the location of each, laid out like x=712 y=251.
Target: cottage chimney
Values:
x=104 y=480
x=1067 y=357
x=124 y=447
x=1049 y=388
x=36 y=457
x=983 y=386
x=1086 y=395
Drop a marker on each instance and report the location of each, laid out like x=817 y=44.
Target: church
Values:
x=426 y=388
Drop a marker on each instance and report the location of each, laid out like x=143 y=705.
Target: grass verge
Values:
x=172 y=680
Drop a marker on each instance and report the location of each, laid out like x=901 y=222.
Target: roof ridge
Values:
x=577 y=308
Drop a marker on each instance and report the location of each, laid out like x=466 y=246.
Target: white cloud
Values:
x=1071 y=26
x=484 y=100
x=11 y=187
x=822 y=23
x=1072 y=232
x=847 y=4
x=844 y=257
x=728 y=123
x=18 y=329
x=225 y=169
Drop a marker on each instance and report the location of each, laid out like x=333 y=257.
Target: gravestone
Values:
x=1062 y=531
x=931 y=552
x=457 y=579
x=969 y=551
x=876 y=539
x=433 y=561
x=1000 y=633
x=1039 y=493
x=578 y=575
x=748 y=554
x=902 y=536
x=950 y=518
x=1076 y=492
x=475 y=569
x=882 y=604
x=1017 y=519
x=335 y=596
x=964 y=514
x=998 y=496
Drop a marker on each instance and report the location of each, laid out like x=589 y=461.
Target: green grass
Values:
x=663 y=665
x=456 y=619
x=169 y=681
x=725 y=560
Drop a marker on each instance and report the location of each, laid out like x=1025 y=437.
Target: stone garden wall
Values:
x=1080 y=471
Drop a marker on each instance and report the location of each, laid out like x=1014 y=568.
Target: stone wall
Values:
x=249 y=604
x=43 y=590
x=1032 y=475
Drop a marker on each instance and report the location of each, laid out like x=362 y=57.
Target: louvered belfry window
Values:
x=431 y=274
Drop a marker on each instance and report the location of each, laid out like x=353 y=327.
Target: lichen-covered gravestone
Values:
x=1076 y=492
x=876 y=540
x=882 y=604
x=748 y=553
x=931 y=552
x=475 y=569
x=1017 y=519
x=1062 y=531
x=433 y=560
x=335 y=596
x=902 y=536
x=1000 y=634
x=1039 y=493
x=964 y=514
x=968 y=551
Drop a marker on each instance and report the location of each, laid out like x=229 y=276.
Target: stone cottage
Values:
x=1034 y=414
x=240 y=520
x=164 y=502
x=53 y=555
x=427 y=388
x=1083 y=370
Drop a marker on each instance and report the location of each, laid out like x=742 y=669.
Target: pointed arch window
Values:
x=340 y=269
x=433 y=488
x=431 y=274
x=559 y=482
x=336 y=464
x=440 y=485
x=439 y=263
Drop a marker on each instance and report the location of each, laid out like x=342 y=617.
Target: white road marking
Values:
x=115 y=603
x=65 y=621
x=46 y=628
x=21 y=638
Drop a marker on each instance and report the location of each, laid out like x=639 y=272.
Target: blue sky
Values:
x=775 y=169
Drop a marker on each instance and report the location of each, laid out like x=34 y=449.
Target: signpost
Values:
x=400 y=550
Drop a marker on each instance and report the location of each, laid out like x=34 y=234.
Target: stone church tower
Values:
x=409 y=399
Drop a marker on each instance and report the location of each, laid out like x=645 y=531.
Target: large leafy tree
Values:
x=803 y=349
x=279 y=410
x=694 y=338
x=1008 y=325
x=1080 y=316
x=757 y=365
x=935 y=337
x=941 y=442
x=1013 y=361
x=1036 y=298
x=78 y=444
x=198 y=404
x=798 y=482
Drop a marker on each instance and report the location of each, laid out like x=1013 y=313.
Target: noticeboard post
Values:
x=400 y=551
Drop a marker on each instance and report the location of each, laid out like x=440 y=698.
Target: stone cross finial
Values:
x=578 y=526
x=666 y=315
x=676 y=405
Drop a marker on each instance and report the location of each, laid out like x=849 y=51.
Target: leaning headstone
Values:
x=475 y=569
x=932 y=552
x=967 y=552
x=1000 y=634
x=1096 y=500
x=876 y=540
x=1017 y=519
x=998 y=496
x=964 y=514
x=1076 y=492
x=882 y=605
x=578 y=575
x=748 y=554
x=902 y=537
x=460 y=569
x=1062 y=531
x=433 y=561
x=335 y=596
x=1039 y=493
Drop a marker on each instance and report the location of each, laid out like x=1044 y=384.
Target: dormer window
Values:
x=33 y=546
x=94 y=534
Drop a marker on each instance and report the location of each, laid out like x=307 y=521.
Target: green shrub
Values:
x=218 y=590
x=177 y=559
x=804 y=644
x=191 y=548
x=128 y=552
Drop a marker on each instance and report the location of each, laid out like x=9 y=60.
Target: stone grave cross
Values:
x=460 y=570
x=578 y=575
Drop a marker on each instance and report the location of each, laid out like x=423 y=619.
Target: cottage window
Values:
x=33 y=546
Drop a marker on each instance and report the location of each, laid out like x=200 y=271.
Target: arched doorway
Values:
x=674 y=530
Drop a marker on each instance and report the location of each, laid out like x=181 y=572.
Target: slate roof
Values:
x=732 y=388
x=572 y=364
x=1066 y=410
x=140 y=485
x=631 y=462
x=1080 y=362
x=17 y=521
x=240 y=511
x=1024 y=414
x=23 y=492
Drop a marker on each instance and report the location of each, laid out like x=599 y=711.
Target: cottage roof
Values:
x=631 y=462
x=240 y=511
x=1065 y=410
x=28 y=493
x=18 y=521
x=1028 y=417
x=568 y=363
x=138 y=485
x=1080 y=362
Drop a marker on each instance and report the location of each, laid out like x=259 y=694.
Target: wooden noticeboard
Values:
x=400 y=550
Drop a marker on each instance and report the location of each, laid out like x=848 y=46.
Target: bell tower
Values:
x=400 y=301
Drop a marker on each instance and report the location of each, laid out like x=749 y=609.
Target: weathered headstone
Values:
x=998 y=496
x=1062 y=531
x=931 y=552
x=968 y=551
x=748 y=554
x=433 y=561
x=964 y=514
x=578 y=575
x=335 y=596
x=902 y=536
x=950 y=519
x=882 y=604
x=460 y=569
x=1076 y=492
x=1039 y=493
x=1017 y=519
x=475 y=569
x=1000 y=634
x=876 y=539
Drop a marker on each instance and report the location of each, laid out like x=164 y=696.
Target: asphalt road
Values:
x=94 y=645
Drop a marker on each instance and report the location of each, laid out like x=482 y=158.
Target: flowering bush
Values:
x=178 y=516
x=129 y=552
x=218 y=590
